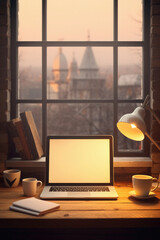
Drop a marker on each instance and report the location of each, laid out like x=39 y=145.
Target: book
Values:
x=24 y=142
x=12 y=131
x=34 y=206
x=32 y=134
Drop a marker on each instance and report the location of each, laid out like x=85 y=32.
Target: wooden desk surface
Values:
x=126 y=212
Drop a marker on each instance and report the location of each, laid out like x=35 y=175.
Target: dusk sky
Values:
x=72 y=20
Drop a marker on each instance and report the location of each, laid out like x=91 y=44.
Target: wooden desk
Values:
x=90 y=219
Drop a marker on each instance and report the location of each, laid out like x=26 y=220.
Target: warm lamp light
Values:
x=133 y=126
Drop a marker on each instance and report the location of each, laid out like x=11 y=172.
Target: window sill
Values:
x=118 y=162
x=18 y=162
x=132 y=162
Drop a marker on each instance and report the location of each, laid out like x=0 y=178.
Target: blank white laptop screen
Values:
x=79 y=161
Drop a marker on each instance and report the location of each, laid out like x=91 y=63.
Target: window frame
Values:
x=144 y=44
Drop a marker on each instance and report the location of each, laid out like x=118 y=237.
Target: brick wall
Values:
x=5 y=81
x=155 y=82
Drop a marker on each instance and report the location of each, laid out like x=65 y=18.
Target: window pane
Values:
x=125 y=143
x=71 y=20
x=130 y=73
x=36 y=110
x=68 y=119
x=80 y=73
x=29 y=73
x=30 y=20
x=130 y=20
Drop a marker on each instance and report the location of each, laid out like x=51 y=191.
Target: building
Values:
x=58 y=87
x=129 y=86
x=87 y=83
x=72 y=82
x=83 y=82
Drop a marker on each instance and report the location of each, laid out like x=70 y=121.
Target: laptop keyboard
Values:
x=79 y=189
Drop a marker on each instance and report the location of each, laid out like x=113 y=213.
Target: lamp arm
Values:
x=151 y=110
x=146 y=101
x=152 y=140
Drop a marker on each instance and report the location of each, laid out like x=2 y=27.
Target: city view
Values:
x=84 y=80
x=81 y=73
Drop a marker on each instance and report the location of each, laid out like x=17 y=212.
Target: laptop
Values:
x=79 y=167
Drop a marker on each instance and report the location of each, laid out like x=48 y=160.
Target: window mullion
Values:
x=44 y=20
x=115 y=75
x=115 y=20
x=44 y=72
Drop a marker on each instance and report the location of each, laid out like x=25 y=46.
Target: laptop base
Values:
x=111 y=194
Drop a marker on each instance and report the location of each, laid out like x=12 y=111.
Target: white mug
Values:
x=30 y=186
x=11 y=177
x=142 y=184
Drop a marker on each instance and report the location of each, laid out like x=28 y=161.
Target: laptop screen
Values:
x=79 y=160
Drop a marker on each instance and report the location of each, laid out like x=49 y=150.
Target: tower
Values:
x=73 y=69
x=88 y=83
x=88 y=67
x=60 y=72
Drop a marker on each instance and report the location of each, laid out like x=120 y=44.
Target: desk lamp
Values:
x=133 y=126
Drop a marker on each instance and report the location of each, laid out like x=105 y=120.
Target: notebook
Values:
x=79 y=167
x=34 y=206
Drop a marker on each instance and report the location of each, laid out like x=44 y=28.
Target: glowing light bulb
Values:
x=133 y=125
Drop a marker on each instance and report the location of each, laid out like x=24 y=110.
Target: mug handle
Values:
x=155 y=179
x=39 y=184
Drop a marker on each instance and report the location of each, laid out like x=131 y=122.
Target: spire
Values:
x=60 y=66
x=73 y=68
x=60 y=50
x=88 y=60
x=60 y=62
x=88 y=35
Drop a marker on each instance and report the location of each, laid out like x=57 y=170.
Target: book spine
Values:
x=16 y=140
x=23 y=210
x=32 y=134
x=23 y=139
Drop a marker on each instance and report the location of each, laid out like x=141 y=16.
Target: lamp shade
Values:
x=132 y=125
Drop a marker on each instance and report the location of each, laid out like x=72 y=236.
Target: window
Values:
x=80 y=67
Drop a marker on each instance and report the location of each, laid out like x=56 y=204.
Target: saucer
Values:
x=133 y=194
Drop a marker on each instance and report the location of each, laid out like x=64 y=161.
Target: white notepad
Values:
x=34 y=206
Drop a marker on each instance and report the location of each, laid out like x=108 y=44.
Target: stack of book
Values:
x=25 y=136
